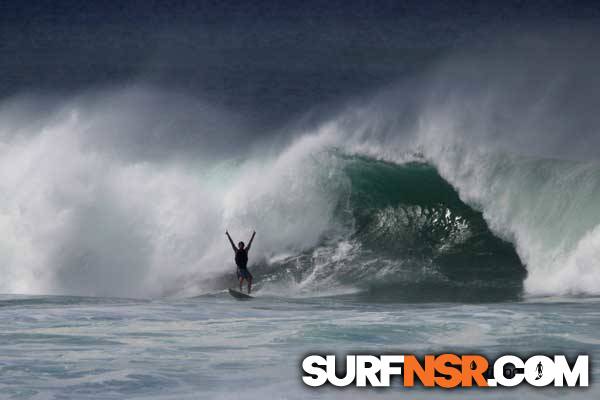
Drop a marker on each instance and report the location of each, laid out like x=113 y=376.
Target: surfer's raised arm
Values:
x=250 y=242
x=231 y=241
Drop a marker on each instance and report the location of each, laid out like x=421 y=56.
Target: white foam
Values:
x=79 y=214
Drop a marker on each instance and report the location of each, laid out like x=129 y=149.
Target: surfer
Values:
x=241 y=260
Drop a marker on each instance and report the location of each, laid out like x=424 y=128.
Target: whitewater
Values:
x=85 y=213
x=456 y=211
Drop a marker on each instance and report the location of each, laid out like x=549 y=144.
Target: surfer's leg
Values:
x=240 y=277
x=249 y=279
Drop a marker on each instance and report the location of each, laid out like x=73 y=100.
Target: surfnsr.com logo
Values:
x=446 y=371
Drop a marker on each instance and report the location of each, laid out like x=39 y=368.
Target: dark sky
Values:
x=288 y=54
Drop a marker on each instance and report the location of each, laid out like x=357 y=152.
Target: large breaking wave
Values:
x=468 y=188
x=408 y=237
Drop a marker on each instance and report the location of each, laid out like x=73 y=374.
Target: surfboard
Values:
x=239 y=295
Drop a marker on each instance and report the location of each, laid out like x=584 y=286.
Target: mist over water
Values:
x=423 y=178
x=95 y=203
x=128 y=191
x=514 y=133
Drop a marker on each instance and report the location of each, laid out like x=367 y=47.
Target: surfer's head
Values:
x=241 y=245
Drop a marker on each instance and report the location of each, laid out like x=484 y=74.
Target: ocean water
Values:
x=213 y=346
x=455 y=209
x=115 y=263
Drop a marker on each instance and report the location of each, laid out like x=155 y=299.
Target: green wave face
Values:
x=412 y=239
x=410 y=214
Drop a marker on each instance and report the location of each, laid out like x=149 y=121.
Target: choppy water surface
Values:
x=217 y=347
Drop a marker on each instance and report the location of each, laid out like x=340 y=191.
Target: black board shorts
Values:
x=244 y=273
